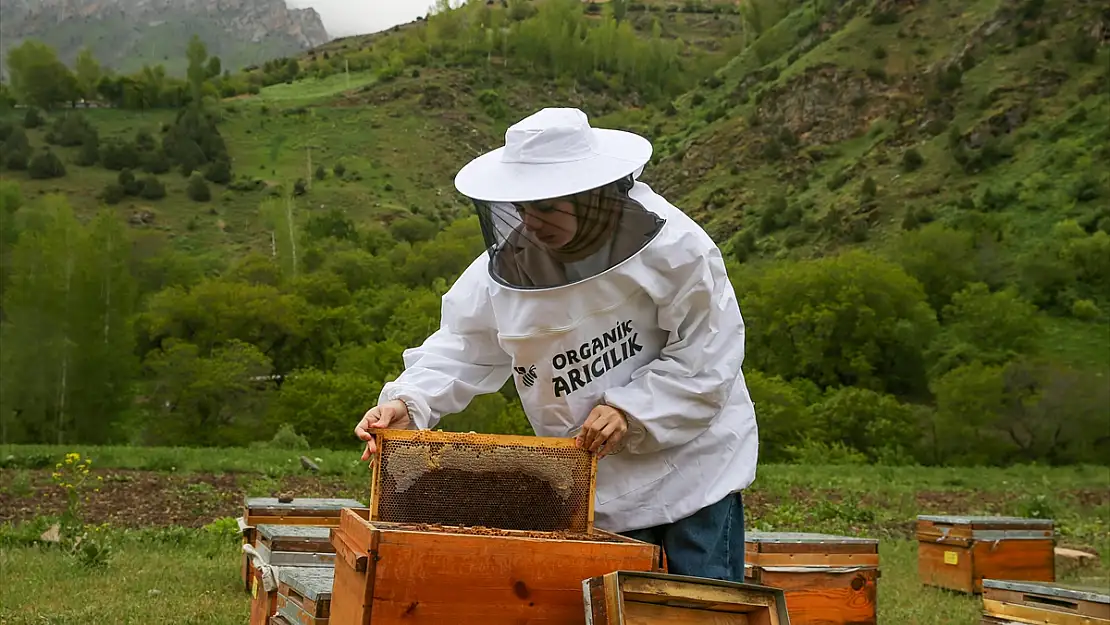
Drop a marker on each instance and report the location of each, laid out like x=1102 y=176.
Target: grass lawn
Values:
x=179 y=584
x=169 y=510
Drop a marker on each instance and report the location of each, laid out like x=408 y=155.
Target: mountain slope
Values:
x=125 y=34
x=936 y=102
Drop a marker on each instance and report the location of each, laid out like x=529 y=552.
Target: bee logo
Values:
x=528 y=376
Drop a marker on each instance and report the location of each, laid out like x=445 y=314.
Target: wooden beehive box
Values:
x=636 y=597
x=307 y=511
x=522 y=483
x=958 y=552
x=828 y=580
x=263 y=602
x=304 y=595
x=1040 y=603
x=392 y=574
x=295 y=545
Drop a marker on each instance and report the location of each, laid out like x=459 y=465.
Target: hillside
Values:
x=124 y=35
x=907 y=194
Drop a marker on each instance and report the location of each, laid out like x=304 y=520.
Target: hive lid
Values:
x=986 y=520
x=315 y=583
x=806 y=538
x=1063 y=591
x=302 y=503
x=307 y=533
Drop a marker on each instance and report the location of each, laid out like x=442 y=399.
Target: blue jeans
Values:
x=708 y=543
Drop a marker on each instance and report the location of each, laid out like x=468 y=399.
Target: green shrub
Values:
x=46 y=165
x=218 y=172
x=198 y=189
x=1085 y=309
x=152 y=189
x=113 y=193
x=912 y=160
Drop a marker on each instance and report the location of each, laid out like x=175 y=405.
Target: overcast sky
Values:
x=356 y=17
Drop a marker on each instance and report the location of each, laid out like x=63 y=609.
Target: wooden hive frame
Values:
x=564 y=450
x=390 y=574
x=827 y=579
x=1039 y=603
x=959 y=552
x=644 y=598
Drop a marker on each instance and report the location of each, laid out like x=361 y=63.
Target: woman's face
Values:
x=551 y=221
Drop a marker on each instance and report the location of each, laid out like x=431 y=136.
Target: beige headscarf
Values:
x=597 y=213
x=602 y=216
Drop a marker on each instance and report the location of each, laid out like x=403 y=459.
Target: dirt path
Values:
x=147 y=498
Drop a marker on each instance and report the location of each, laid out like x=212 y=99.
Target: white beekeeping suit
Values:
x=630 y=307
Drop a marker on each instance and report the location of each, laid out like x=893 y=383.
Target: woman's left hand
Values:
x=603 y=430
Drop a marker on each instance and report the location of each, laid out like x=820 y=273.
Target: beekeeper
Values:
x=612 y=311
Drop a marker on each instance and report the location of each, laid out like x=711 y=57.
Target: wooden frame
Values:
x=1043 y=603
x=827 y=579
x=959 y=552
x=300 y=511
x=408 y=576
x=385 y=436
x=643 y=598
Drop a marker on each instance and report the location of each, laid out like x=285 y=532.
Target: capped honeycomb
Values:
x=482 y=480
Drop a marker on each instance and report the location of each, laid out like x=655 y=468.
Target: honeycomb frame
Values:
x=554 y=489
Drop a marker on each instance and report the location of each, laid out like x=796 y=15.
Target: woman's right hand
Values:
x=392 y=414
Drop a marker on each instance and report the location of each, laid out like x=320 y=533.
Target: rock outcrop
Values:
x=124 y=34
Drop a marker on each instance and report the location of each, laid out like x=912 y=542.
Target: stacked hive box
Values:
x=828 y=580
x=304 y=595
x=628 y=597
x=300 y=512
x=475 y=529
x=958 y=552
x=295 y=545
x=288 y=534
x=263 y=602
x=1006 y=602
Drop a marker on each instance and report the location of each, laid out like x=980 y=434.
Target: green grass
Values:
x=175 y=584
x=395 y=162
x=175 y=575
x=147 y=581
x=310 y=89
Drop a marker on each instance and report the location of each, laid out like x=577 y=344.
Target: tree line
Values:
x=114 y=336
x=562 y=39
x=38 y=78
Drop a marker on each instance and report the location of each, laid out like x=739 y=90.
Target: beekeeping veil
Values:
x=554 y=203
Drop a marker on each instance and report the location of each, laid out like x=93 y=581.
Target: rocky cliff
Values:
x=125 y=34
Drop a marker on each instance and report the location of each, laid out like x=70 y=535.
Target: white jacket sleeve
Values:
x=459 y=361
x=675 y=398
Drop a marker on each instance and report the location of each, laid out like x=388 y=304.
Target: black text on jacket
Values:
x=594 y=358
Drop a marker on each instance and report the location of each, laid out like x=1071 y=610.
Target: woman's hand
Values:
x=392 y=414
x=603 y=431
